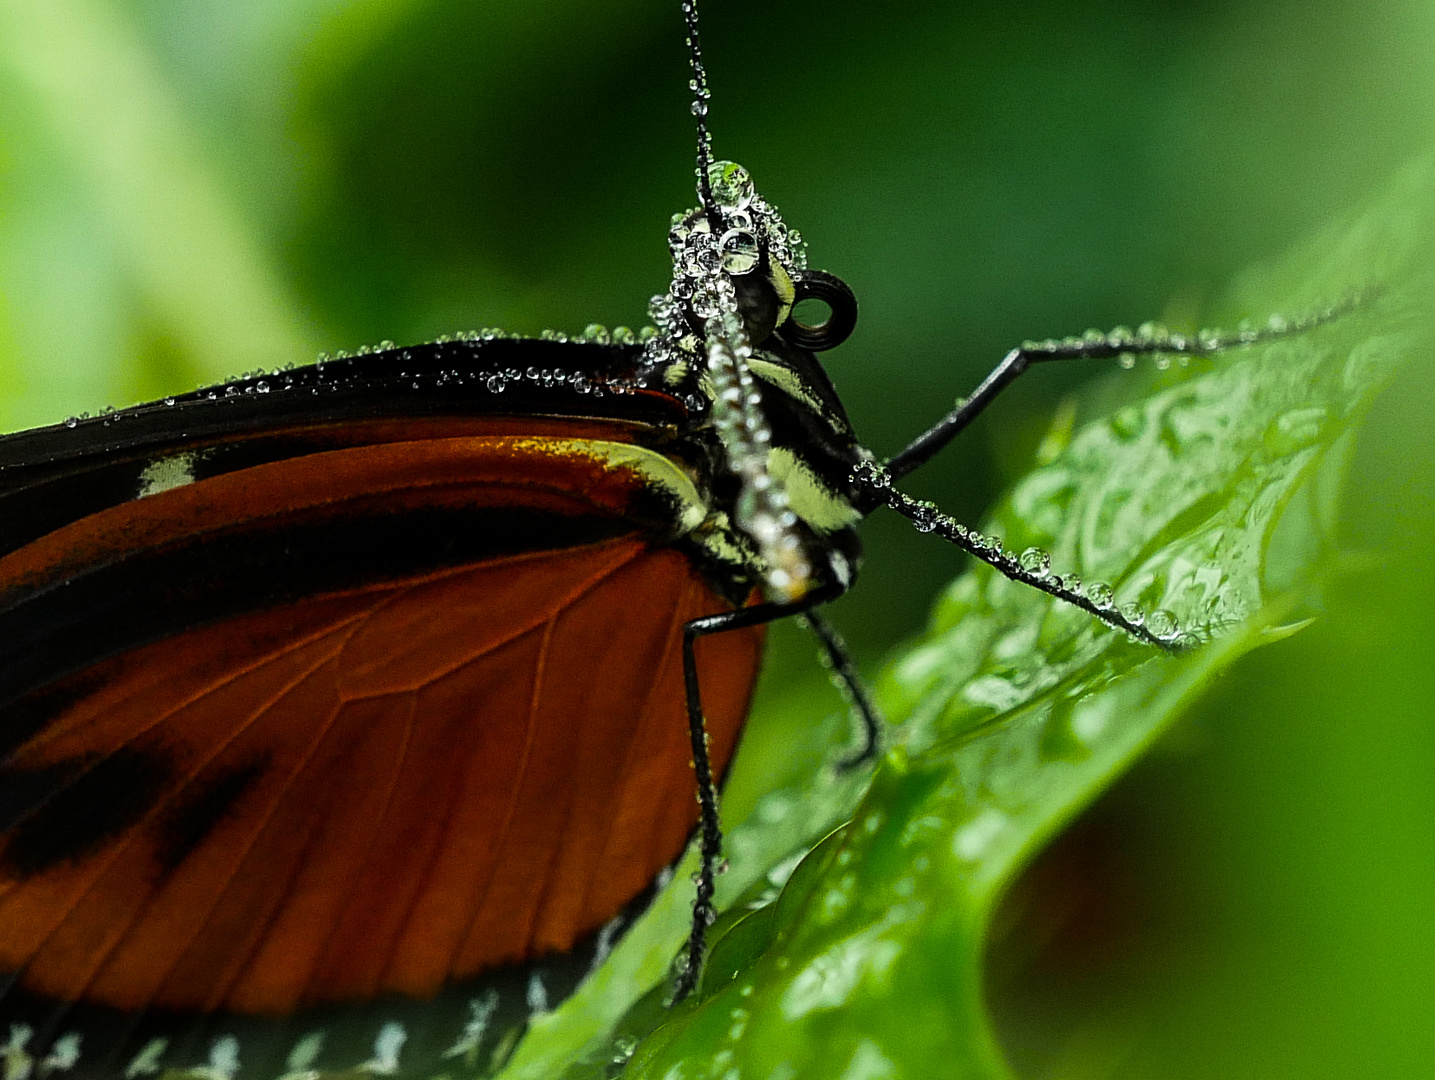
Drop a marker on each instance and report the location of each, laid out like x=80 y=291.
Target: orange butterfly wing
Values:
x=386 y=787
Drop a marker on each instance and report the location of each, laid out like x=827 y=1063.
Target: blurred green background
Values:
x=194 y=188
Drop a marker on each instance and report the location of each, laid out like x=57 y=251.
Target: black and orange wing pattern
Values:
x=343 y=716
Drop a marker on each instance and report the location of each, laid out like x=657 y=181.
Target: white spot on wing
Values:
x=299 y=1064
x=537 y=995
x=223 y=1059
x=387 y=1045
x=64 y=1053
x=480 y=1012
x=604 y=945
x=16 y=1059
x=146 y=1062
x=165 y=473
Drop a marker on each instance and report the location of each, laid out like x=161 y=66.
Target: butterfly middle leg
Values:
x=844 y=671
x=710 y=828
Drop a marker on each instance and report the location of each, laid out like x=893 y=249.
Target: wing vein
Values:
x=519 y=776
x=375 y=833
x=125 y=846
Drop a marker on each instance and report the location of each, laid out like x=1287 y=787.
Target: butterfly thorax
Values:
x=783 y=443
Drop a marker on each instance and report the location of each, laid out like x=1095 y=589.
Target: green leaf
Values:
x=1210 y=490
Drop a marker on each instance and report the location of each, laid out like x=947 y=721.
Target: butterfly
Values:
x=348 y=709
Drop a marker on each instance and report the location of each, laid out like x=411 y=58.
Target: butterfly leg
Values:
x=1149 y=340
x=709 y=826
x=849 y=680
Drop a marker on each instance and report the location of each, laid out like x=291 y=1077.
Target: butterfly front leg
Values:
x=1149 y=340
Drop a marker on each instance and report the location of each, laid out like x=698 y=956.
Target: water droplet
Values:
x=707 y=302
x=657 y=351
x=72 y=421
x=1150 y=332
x=1161 y=623
x=701 y=260
x=496 y=384
x=1035 y=561
x=597 y=332
x=261 y=387
x=1099 y=593
x=732 y=184
x=169 y=401
x=622 y=335
x=739 y=251
x=798 y=248
x=1133 y=614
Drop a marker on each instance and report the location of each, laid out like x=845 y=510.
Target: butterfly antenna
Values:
x=701 y=95
x=701 y=322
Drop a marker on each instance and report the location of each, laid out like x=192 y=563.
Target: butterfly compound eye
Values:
x=841 y=307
